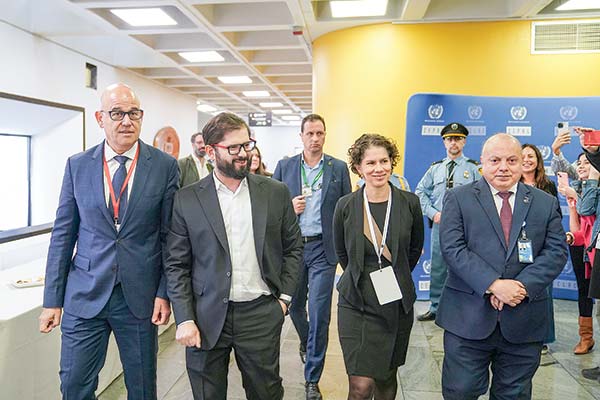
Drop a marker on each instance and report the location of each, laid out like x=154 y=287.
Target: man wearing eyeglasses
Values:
x=115 y=206
x=454 y=170
x=316 y=182
x=232 y=267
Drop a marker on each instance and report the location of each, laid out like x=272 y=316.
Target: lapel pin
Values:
x=526 y=199
x=329 y=163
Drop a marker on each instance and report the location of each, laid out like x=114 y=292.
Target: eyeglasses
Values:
x=118 y=115
x=235 y=149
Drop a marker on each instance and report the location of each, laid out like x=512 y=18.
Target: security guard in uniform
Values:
x=454 y=170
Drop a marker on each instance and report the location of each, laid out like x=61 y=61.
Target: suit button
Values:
x=114 y=268
x=225 y=300
x=228 y=274
x=118 y=241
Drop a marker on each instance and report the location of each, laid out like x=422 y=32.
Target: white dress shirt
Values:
x=113 y=165
x=201 y=166
x=246 y=279
x=498 y=199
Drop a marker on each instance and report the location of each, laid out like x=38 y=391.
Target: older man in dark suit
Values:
x=234 y=254
x=504 y=244
x=115 y=204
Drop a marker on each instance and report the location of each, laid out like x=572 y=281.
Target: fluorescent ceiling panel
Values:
x=202 y=56
x=144 y=16
x=206 y=108
x=290 y=118
x=358 y=8
x=270 y=105
x=256 y=93
x=234 y=79
x=282 y=111
x=579 y=5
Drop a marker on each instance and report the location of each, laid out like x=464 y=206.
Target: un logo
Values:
x=568 y=113
x=475 y=112
x=545 y=150
x=427 y=267
x=518 y=113
x=435 y=111
x=568 y=269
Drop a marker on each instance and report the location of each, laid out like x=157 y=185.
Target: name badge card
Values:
x=525 y=251
x=385 y=285
x=306 y=191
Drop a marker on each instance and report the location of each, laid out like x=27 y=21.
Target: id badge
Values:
x=385 y=285
x=525 y=251
x=306 y=191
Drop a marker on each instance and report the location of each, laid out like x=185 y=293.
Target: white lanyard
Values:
x=378 y=248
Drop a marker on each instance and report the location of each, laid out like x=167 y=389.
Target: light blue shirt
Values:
x=432 y=187
x=310 y=219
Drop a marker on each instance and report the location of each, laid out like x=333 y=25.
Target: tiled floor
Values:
x=558 y=377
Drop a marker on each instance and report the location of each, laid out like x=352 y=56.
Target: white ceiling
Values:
x=254 y=36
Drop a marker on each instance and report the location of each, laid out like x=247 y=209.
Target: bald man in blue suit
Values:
x=115 y=205
x=504 y=244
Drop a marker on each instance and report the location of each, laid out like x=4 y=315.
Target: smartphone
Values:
x=563 y=179
x=563 y=127
x=591 y=138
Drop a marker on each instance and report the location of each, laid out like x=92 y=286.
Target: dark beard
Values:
x=228 y=168
x=200 y=153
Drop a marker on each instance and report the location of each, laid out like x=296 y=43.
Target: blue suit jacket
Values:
x=83 y=283
x=336 y=183
x=473 y=246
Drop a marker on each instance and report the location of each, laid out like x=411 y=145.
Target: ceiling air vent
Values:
x=565 y=37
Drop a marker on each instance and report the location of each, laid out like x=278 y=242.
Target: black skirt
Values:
x=371 y=346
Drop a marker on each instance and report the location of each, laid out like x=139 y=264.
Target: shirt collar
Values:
x=457 y=160
x=220 y=186
x=318 y=164
x=496 y=191
x=109 y=153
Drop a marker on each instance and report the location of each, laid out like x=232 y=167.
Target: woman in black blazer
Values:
x=374 y=323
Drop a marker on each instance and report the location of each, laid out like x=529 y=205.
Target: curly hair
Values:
x=356 y=152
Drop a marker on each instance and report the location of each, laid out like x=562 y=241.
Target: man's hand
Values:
x=594 y=174
x=162 y=311
x=299 y=203
x=508 y=291
x=496 y=303
x=284 y=307
x=437 y=217
x=559 y=141
x=188 y=335
x=49 y=319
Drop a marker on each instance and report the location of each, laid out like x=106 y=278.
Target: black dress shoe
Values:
x=302 y=351
x=428 y=316
x=591 y=373
x=312 y=391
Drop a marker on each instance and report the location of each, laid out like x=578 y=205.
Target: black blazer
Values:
x=405 y=241
x=198 y=266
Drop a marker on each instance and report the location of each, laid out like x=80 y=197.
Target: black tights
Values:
x=583 y=285
x=364 y=387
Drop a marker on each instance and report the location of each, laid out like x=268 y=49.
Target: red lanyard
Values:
x=116 y=202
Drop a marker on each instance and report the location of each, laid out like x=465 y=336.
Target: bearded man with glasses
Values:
x=232 y=266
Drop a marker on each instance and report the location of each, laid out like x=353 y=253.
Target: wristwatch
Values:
x=287 y=305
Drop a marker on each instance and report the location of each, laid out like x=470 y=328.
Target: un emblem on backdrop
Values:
x=435 y=111
x=518 y=113
x=568 y=113
x=545 y=150
x=427 y=267
x=475 y=112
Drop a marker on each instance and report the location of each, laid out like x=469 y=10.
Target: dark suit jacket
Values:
x=405 y=241
x=83 y=284
x=336 y=183
x=473 y=245
x=188 y=173
x=199 y=266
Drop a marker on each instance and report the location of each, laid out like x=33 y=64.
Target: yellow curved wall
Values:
x=364 y=76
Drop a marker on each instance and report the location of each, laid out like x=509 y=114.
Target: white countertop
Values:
x=17 y=301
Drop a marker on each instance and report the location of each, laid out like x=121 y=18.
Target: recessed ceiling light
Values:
x=256 y=93
x=217 y=112
x=358 y=8
x=206 y=108
x=234 y=79
x=282 y=111
x=290 y=118
x=270 y=105
x=144 y=16
x=201 y=56
x=579 y=5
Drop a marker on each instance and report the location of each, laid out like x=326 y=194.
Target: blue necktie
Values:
x=117 y=182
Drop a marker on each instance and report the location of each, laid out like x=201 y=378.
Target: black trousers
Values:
x=253 y=330
x=585 y=303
